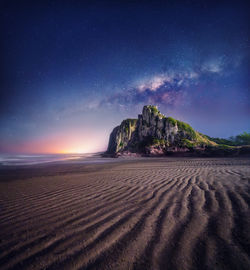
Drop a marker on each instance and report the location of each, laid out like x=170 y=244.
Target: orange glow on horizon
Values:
x=66 y=144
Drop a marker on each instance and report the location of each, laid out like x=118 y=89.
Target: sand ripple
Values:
x=149 y=214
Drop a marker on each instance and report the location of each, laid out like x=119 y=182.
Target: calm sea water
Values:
x=10 y=159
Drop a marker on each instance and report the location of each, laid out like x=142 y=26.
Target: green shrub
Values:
x=224 y=146
x=154 y=109
x=187 y=128
x=187 y=143
x=158 y=141
x=221 y=141
x=161 y=115
x=241 y=139
x=172 y=120
x=121 y=144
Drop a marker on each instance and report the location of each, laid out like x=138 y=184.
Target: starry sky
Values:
x=73 y=70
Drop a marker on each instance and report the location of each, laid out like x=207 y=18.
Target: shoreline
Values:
x=53 y=168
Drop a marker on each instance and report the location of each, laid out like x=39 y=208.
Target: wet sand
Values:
x=172 y=213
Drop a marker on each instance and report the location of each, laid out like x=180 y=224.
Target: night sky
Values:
x=73 y=70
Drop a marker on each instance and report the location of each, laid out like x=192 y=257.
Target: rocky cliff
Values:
x=155 y=134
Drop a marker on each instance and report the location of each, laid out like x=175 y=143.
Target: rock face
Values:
x=121 y=135
x=154 y=134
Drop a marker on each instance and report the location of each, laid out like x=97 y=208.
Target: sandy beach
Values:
x=153 y=213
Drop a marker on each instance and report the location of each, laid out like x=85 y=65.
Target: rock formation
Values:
x=155 y=134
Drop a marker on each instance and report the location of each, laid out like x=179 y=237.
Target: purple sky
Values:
x=72 y=71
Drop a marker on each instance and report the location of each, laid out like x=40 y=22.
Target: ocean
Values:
x=30 y=159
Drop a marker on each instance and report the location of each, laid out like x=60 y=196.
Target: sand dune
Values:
x=148 y=214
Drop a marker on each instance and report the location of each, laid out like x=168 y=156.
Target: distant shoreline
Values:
x=65 y=167
x=34 y=160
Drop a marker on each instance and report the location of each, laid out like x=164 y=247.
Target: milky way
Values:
x=72 y=71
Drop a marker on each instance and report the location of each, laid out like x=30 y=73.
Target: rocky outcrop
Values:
x=155 y=134
x=121 y=136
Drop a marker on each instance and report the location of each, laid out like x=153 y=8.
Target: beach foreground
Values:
x=162 y=213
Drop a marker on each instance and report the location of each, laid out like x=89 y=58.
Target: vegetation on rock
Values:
x=187 y=128
x=241 y=139
x=155 y=132
x=158 y=141
x=172 y=120
x=121 y=144
x=187 y=143
x=153 y=109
